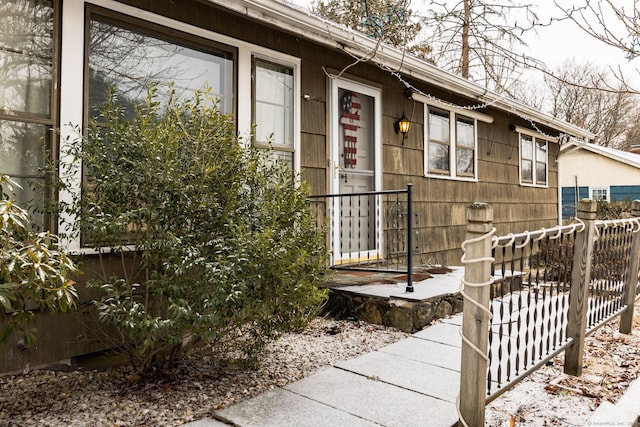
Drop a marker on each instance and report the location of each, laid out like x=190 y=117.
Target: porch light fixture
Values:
x=402 y=125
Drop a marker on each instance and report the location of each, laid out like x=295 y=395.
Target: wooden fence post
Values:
x=579 y=292
x=631 y=281
x=475 y=319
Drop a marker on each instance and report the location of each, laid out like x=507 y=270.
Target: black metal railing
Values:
x=539 y=293
x=530 y=294
x=370 y=231
x=611 y=253
x=530 y=301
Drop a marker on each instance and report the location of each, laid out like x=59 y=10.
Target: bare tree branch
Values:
x=577 y=99
x=478 y=38
x=608 y=22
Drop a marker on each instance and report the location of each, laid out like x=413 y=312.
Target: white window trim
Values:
x=453 y=146
x=534 y=138
x=294 y=63
x=451 y=107
x=607 y=189
x=72 y=86
x=535 y=134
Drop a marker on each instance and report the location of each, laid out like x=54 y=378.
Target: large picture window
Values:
x=28 y=34
x=534 y=160
x=273 y=109
x=129 y=58
x=451 y=144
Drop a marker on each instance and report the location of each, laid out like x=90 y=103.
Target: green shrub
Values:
x=222 y=243
x=34 y=271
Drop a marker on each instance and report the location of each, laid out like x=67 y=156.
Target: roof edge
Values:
x=292 y=18
x=608 y=152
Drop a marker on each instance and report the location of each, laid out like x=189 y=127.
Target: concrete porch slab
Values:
x=433 y=287
x=381 y=298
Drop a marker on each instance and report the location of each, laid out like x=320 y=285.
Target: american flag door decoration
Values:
x=350 y=120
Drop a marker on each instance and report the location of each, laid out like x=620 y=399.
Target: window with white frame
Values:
x=466 y=146
x=534 y=160
x=599 y=194
x=126 y=52
x=28 y=100
x=451 y=144
x=273 y=107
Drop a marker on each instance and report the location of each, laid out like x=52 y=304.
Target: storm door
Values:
x=355 y=158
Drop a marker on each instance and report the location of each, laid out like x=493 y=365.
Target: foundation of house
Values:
x=382 y=299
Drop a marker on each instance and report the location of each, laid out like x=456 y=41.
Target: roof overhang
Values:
x=293 y=19
x=625 y=157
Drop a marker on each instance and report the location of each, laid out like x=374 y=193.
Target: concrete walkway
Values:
x=413 y=382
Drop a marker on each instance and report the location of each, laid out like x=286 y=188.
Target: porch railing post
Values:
x=476 y=318
x=579 y=292
x=631 y=282
x=409 y=239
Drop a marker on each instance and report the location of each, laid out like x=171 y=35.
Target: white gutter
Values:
x=293 y=19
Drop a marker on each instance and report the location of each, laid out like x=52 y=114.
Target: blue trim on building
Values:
x=569 y=200
x=619 y=193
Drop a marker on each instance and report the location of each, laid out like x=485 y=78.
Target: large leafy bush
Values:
x=34 y=271
x=216 y=239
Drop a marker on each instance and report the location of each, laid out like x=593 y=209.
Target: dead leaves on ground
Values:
x=611 y=362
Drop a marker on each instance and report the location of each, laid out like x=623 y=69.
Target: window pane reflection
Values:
x=527 y=170
x=439 y=157
x=439 y=126
x=21 y=148
x=465 y=162
x=527 y=147
x=273 y=103
x=541 y=151
x=31 y=197
x=541 y=173
x=465 y=135
x=130 y=61
x=26 y=55
x=281 y=156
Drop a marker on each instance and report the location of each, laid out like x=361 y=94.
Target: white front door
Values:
x=355 y=156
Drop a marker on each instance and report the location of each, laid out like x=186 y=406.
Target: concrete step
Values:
x=624 y=413
x=609 y=414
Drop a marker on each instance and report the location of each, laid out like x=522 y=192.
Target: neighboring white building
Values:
x=591 y=171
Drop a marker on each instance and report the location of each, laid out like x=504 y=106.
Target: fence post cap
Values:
x=479 y=212
x=587 y=209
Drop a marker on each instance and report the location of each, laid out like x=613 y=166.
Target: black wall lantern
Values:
x=402 y=125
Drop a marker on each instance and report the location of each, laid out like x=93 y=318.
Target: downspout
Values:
x=577 y=193
x=559 y=190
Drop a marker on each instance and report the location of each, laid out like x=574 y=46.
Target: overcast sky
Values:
x=560 y=41
x=564 y=40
